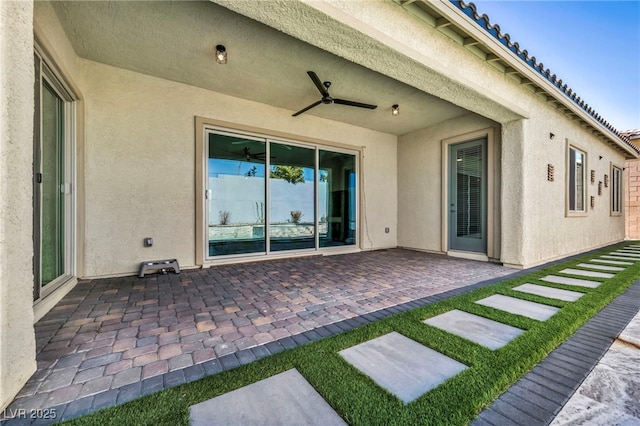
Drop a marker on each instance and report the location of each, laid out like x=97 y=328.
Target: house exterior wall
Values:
x=420 y=180
x=139 y=154
x=548 y=232
x=17 y=338
x=140 y=165
x=632 y=199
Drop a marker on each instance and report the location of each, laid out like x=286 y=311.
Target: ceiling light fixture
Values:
x=395 y=110
x=221 y=54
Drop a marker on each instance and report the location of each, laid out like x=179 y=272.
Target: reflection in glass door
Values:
x=337 y=198
x=236 y=193
x=468 y=196
x=291 y=197
x=267 y=196
x=50 y=186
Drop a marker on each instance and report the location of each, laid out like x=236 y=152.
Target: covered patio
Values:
x=110 y=340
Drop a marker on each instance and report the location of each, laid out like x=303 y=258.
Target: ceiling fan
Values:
x=326 y=97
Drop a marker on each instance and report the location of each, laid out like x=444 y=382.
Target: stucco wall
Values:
x=420 y=180
x=17 y=337
x=548 y=232
x=140 y=165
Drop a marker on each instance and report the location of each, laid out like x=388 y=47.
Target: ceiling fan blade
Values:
x=323 y=90
x=307 y=108
x=354 y=104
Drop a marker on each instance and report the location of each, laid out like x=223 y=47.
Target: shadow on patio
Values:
x=111 y=340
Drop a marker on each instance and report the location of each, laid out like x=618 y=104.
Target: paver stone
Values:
x=525 y=308
x=485 y=332
x=284 y=399
x=402 y=366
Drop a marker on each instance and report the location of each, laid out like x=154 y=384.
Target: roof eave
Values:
x=566 y=100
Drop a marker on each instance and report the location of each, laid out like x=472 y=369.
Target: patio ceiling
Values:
x=176 y=41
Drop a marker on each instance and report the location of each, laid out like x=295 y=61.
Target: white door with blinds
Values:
x=468 y=196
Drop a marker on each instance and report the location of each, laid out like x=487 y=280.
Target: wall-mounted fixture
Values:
x=221 y=54
x=606 y=181
x=395 y=110
x=600 y=157
x=551 y=136
x=593 y=202
x=600 y=188
x=593 y=176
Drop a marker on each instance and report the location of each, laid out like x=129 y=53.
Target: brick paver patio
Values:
x=109 y=333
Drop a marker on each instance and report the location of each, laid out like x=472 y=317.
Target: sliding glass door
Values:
x=265 y=196
x=338 y=198
x=52 y=182
x=236 y=194
x=292 y=208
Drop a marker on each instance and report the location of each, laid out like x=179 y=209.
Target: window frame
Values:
x=569 y=212
x=616 y=189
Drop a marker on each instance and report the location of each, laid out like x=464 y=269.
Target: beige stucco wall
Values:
x=548 y=232
x=140 y=165
x=420 y=180
x=17 y=337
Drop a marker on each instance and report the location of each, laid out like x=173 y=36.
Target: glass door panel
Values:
x=467 y=197
x=336 y=199
x=236 y=195
x=51 y=185
x=291 y=197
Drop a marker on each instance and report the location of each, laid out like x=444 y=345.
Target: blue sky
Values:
x=593 y=46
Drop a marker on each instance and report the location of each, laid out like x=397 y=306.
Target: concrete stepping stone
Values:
x=570 y=281
x=402 y=366
x=533 y=310
x=625 y=253
x=284 y=399
x=550 y=292
x=618 y=257
x=583 y=273
x=483 y=331
x=630 y=251
x=611 y=262
x=600 y=267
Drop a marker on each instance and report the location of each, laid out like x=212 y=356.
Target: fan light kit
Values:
x=395 y=110
x=326 y=97
x=221 y=54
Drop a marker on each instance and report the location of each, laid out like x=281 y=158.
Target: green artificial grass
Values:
x=360 y=401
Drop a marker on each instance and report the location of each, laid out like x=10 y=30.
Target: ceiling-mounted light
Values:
x=221 y=54
x=395 y=110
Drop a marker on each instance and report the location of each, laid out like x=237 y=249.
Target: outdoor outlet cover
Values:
x=148 y=242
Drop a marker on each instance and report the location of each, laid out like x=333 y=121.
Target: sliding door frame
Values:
x=204 y=126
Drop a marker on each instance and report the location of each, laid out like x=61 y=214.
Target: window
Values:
x=576 y=191
x=616 y=190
